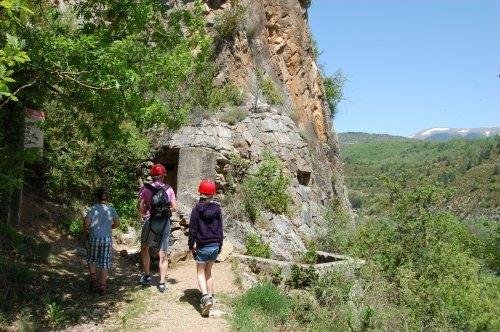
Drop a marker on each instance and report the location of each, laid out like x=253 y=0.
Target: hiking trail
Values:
x=175 y=310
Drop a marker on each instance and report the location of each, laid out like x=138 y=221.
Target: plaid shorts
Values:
x=99 y=252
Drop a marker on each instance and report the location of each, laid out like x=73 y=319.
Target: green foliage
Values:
x=310 y=256
x=269 y=89
x=104 y=72
x=228 y=23
x=466 y=167
x=429 y=254
x=302 y=277
x=74 y=227
x=334 y=90
x=267 y=188
x=56 y=315
x=229 y=94
x=233 y=116
x=13 y=14
x=262 y=308
x=256 y=247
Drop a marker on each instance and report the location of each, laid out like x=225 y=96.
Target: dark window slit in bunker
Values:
x=170 y=159
x=303 y=177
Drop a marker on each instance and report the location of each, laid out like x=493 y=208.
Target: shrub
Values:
x=256 y=247
x=229 y=21
x=428 y=253
x=263 y=307
x=310 y=256
x=229 y=94
x=75 y=227
x=356 y=200
x=56 y=315
x=233 y=115
x=269 y=89
x=334 y=86
x=302 y=277
x=267 y=188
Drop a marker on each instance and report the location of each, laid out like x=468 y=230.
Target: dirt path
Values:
x=59 y=297
x=175 y=310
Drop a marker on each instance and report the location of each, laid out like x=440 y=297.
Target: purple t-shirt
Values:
x=147 y=195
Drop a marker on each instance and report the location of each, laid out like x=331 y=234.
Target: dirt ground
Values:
x=175 y=310
x=60 y=299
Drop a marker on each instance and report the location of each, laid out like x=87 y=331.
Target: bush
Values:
x=334 y=94
x=302 y=277
x=429 y=254
x=233 y=115
x=262 y=308
x=229 y=21
x=256 y=247
x=74 y=227
x=267 y=188
x=269 y=89
x=310 y=256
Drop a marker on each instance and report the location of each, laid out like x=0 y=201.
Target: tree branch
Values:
x=19 y=89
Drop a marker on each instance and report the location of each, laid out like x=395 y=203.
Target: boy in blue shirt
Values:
x=99 y=221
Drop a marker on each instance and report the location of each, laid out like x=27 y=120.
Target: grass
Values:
x=262 y=308
x=233 y=115
x=136 y=305
x=256 y=247
x=269 y=89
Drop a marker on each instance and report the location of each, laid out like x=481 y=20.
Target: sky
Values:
x=411 y=64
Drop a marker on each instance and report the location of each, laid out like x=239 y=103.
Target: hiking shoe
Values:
x=162 y=287
x=145 y=280
x=206 y=304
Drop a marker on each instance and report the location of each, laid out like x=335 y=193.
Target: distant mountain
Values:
x=445 y=134
x=359 y=137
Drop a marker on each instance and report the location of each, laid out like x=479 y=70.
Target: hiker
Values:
x=97 y=225
x=156 y=204
x=205 y=241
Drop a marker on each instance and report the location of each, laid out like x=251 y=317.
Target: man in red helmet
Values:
x=156 y=202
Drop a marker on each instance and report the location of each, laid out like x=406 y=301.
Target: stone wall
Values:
x=205 y=150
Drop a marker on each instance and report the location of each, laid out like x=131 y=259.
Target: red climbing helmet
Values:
x=206 y=187
x=157 y=169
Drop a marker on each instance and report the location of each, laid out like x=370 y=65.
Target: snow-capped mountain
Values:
x=444 y=134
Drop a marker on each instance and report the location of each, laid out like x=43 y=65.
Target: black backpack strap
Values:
x=151 y=187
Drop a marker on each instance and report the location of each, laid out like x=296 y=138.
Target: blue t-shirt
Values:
x=101 y=219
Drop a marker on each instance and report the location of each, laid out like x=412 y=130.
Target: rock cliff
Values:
x=269 y=40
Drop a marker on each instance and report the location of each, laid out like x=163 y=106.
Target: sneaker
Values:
x=145 y=280
x=206 y=304
x=162 y=287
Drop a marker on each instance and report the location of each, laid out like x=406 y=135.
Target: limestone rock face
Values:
x=273 y=39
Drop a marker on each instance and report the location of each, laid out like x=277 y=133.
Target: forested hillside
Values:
x=469 y=169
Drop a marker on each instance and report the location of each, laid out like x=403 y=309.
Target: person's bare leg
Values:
x=208 y=277
x=145 y=259
x=202 y=282
x=92 y=275
x=163 y=265
x=103 y=276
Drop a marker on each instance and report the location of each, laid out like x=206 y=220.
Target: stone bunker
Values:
x=205 y=150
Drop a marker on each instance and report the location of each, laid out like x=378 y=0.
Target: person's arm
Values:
x=86 y=228
x=173 y=200
x=221 y=231
x=193 y=228
x=116 y=220
x=141 y=206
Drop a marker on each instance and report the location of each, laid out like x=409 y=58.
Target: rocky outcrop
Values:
x=272 y=39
